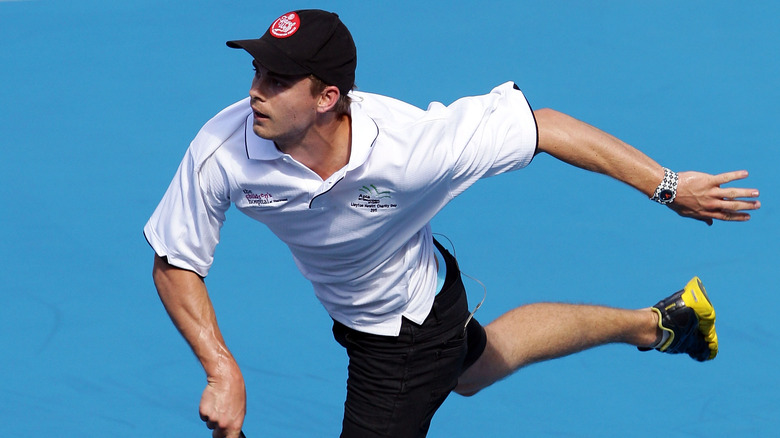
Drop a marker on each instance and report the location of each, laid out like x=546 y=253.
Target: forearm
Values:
x=185 y=297
x=699 y=195
x=587 y=147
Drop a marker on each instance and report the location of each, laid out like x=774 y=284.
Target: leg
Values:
x=393 y=390
x=544 y=331
x=396 y=384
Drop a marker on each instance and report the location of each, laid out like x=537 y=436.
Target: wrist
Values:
x=221 y=364
x=226 y=375
x=666 y=191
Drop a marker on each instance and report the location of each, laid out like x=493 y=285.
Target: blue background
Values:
x=99 y=101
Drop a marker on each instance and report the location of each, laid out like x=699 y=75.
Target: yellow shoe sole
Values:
x=695 y=297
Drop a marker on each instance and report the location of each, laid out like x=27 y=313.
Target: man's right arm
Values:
x=185 y=297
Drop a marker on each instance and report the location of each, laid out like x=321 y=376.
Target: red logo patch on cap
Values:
x=286 y=25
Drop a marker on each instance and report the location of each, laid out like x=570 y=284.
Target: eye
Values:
x=277 y=81
x=255 y=68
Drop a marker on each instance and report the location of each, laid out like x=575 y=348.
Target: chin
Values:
x=260 y=132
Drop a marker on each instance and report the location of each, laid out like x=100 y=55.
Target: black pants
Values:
x=396 y=383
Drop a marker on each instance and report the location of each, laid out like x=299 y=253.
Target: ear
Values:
x=328 y=98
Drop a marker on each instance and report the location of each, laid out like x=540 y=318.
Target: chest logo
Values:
x=261 y=198
x=373 y=199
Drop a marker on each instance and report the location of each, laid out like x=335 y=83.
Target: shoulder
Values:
x=385 y=109
x=218 y=130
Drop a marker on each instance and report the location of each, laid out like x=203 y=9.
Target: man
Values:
x=350 y=181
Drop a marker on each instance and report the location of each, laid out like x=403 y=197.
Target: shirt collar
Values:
x=258 y=148
x=364 y=134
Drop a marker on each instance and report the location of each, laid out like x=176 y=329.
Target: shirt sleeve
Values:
x=488 y=135
x=185 y=226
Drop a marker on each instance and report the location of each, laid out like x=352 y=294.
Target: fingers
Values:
x=221 y=432
x=736 y=205
x=732 y=193
x=731 y=216
x=726 y=210
x=728 y=177
x=212 y=425
x=700 y=196
x=733 y=211
x=233 y=434
x=732 y=206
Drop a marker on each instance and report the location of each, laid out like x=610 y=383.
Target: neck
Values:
x=325 y=148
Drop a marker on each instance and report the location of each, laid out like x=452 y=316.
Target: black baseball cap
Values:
x=309 y=41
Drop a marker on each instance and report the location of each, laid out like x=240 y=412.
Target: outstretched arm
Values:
x=184 y=295
x=699 y=195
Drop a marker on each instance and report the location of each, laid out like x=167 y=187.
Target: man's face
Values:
x=284 y=108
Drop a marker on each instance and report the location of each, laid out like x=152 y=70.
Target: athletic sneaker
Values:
x=688 y=321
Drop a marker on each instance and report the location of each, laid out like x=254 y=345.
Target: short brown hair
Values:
x=342 y=106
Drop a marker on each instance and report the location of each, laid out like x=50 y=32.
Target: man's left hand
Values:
x=700 y=196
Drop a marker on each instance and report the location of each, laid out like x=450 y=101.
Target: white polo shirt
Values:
x=362 y=237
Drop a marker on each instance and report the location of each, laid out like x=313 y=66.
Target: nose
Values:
x=256 y=90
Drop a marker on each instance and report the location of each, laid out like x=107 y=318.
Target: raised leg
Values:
x=544 y=331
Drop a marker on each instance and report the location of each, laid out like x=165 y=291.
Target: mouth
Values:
x=259 y=116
